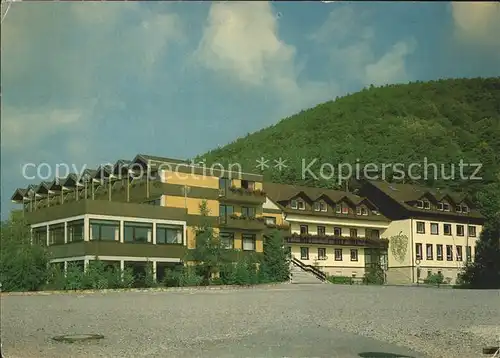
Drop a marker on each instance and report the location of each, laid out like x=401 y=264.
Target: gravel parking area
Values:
x=285 y=320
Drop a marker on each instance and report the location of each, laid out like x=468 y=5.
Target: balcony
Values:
x=114 y=248
x=241 y=195
x=103 y=207
x=336 y=240
x=242 y=223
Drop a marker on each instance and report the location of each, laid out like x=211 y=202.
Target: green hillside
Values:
x=444 y=121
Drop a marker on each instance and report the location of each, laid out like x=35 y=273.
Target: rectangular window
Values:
x=137 y=232
x=223 y=183
x=420 y=204
x=227 y=239
x=304 y=253
x=39 y=236
x=373 y=234
x=226 y=210
x=337 y=231
x=446 y=207
x=430 y=254
x=247 y=184
x=345 y=209
x=364 y=211
x=418 y=251
x=322 y=206
x=104 y=230
x=472 y=231
x=458 y=208
x=434 y=229
x=469 y=253
x=354 y=254
x=270 y=220
x=301 y=205
x=353 y=232
x=169 y=234
x=248 y=242
x=338 y=254
x=420 y=227
x=338 y=208
x=321 y=230
x=304 y=229
x=358 y=210
x=321 y=253
x=75 y=230
x=459 y=253
x=439 y=252
x=465 y=209
x=449 y=253
x=440 y=206
x=427 y=205
x=56 y=234
x=460 y=230
x=447 y=229
x=293 y=204
x=248 y=212
x=316 y=206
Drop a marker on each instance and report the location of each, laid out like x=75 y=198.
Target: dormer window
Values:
x=465 y=209
x=338 y=209
x=441 y=206
x=293 y=204
x=420 y=204
x=364 y=211
x=446 y=207
x=320 y=206
x=301 y=205
x=358 y=210
x=458 y=208
x=345 y=209
x=427 y=205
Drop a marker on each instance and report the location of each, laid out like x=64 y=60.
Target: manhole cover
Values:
x=71 y=338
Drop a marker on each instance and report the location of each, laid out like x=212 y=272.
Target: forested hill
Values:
x=445 y=121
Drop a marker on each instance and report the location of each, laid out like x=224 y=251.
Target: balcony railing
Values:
x=235 y=194
x=242 y=222
x=336 y=240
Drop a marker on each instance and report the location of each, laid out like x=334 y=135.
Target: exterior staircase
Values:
x=305 y=274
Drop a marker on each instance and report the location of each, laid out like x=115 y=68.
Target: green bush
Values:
x=434 y=279
x=340 y=280
x=374 y=276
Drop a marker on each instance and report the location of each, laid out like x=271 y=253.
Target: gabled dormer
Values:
x=298 y=203
x=345 y=207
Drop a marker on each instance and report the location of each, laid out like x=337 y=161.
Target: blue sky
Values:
x=85 y=83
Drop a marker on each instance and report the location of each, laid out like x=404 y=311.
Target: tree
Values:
x=275 y=265
x=23 y=266
x=484 y=272
x=210 y=255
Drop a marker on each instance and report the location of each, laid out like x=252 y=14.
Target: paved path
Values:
x=284 y=321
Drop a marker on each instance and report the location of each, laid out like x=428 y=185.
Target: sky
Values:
x=86 y=83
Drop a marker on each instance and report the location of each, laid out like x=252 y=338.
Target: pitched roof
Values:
x=407 y=194
x=404 y=193
x=283 y=192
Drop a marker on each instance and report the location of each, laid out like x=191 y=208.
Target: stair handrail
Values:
x=309 y=268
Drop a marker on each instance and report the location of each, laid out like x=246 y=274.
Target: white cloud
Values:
x=478 y=22
x=352 y=46
x=80 y=53
x=241 y=41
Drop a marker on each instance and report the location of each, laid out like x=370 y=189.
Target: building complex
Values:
x=147 y=210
